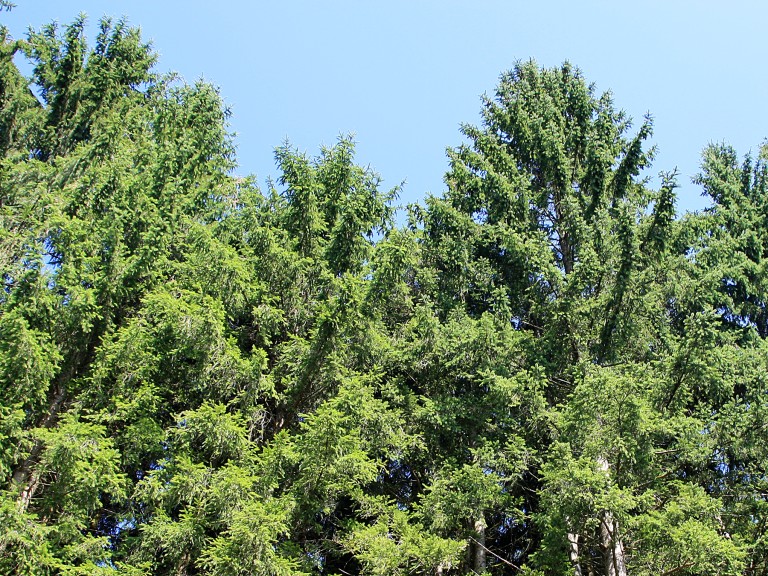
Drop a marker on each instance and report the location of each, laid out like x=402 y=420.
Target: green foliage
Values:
x=28 y=363
x=397 y=545
x=544 y=372
x=248 y=546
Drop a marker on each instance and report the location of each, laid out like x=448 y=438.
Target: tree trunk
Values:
x=183 y=564
x=479 y=559
x=610 y=541
x=573 y=553
x=613 y=549
x=27 y=476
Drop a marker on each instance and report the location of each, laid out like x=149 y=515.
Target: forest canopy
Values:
x=543 y=370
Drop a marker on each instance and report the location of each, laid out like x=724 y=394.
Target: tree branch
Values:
x=492 y=553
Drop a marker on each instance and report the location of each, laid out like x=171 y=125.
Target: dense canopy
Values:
x=544 y=371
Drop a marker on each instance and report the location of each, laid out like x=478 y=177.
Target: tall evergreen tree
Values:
x=546 y=224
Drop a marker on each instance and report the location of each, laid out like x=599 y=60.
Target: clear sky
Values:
x=402 y=75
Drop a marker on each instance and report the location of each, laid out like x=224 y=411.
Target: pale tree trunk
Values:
x=479 y=560
x=183 y=564
x=26 y=478
x=610 y=540
x=613 y=549
x=573 y=553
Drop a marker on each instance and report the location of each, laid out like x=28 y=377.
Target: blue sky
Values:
x=402 y=75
